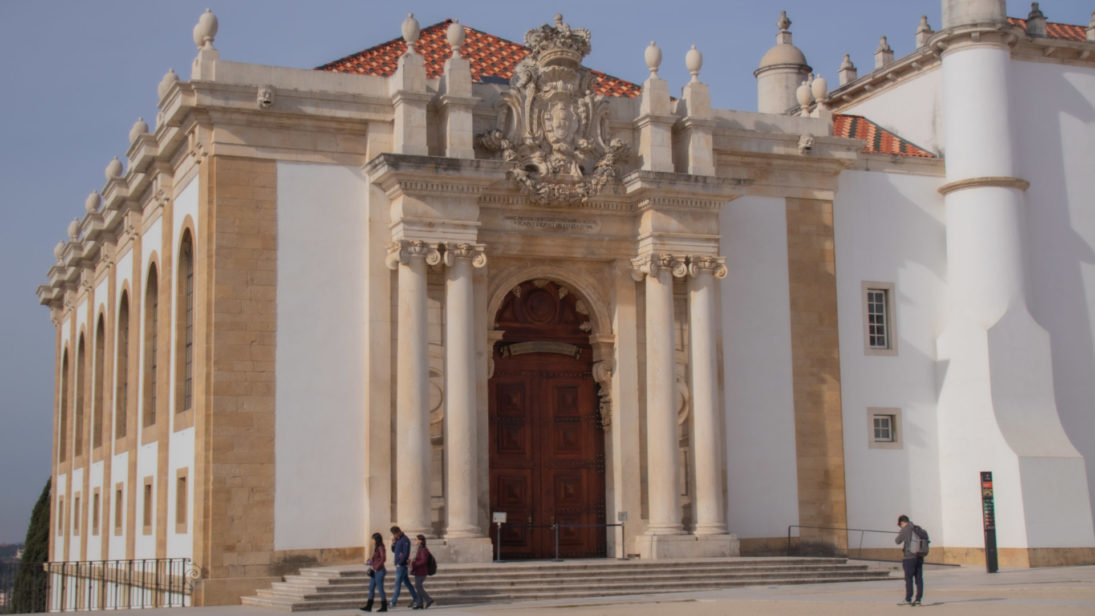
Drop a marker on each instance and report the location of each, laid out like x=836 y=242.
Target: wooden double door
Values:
x=546 y=446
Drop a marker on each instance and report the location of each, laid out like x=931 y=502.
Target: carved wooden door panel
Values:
x=546 y=440
x=547 y=457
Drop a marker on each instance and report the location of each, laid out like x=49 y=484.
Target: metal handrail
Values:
x=555 y=529
x=861 y=532
x=119 y=584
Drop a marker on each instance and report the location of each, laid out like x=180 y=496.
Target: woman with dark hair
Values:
x=420 y=569
x=376 y=578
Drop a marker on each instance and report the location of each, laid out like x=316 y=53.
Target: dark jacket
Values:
x=379 y=556
x=418 y=567
x=401 y=550
x=905 y=537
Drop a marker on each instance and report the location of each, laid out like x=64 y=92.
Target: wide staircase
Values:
x=329 y=588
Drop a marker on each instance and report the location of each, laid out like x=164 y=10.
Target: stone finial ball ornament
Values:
x=91 y=204
x=206 y=29
x=819 y=87
x=693 y=60
x=74 y=229
x=804 y=95
x=169 y=79
x=411 y=30
x=113 y=169
x=140 y=127
x=59 y=250
x=455 y=35
x=653 y=57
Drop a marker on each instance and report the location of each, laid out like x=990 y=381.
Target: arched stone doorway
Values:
x=547 y=462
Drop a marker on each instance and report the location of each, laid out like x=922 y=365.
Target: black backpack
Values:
x=431 y=564
x=919 y=543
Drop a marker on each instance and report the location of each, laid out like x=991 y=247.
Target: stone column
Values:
x=662 y=432
x=706 y=417
x=412 y=455
x=461 y=435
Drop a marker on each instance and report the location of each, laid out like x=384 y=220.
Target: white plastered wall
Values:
x=147 y=454
x=1056 y=154
x=756 y=342
x=119 y=466
x=181 y=450
x=320 y=395
x=890 y=229
x=911 y=110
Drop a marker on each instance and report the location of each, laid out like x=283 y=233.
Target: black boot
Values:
x=368 y=607
x=383 y=605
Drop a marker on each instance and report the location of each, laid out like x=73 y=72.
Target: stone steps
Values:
x=347 y=587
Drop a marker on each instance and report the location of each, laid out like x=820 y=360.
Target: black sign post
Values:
x=988 y=517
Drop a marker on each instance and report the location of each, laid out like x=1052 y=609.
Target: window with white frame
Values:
x=879 y=334
x=884 y=428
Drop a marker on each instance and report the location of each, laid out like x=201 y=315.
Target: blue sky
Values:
x=77 y=74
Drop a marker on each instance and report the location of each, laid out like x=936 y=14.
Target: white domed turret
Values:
x=781 y=71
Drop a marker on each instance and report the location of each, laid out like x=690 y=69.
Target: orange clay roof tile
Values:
x=877 y=139
x=1067 y=32
x=492 y=59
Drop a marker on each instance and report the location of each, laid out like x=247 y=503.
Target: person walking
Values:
x=401 y=553
x=376 y=580
x=420 y=569
x=912 y=562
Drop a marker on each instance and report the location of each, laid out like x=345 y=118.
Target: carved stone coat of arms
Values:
x=552 y=125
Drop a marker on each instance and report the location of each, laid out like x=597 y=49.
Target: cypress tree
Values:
x=29 y=593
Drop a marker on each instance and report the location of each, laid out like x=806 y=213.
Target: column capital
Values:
x=402 y=251
x=653 y=264
x=476 y=253
x=706 y=264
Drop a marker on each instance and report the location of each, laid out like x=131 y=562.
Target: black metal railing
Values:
x=823 y=548
x=118 y=584
x=555 y=530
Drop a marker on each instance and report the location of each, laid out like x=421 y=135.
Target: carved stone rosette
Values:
x=402 y=251
x=552 y=127
x=463 y=250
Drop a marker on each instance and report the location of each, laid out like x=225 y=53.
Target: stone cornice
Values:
x=986 y=181
x=400 y=174
x=683 y=191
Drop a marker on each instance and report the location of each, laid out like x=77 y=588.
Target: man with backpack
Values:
x=914 y=549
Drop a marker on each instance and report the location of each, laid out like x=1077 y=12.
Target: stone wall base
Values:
x=227 y=591
x=1017 y=558
x=686 y=546
x=461 y=550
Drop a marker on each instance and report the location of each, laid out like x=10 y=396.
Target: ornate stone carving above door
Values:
x=552 y=127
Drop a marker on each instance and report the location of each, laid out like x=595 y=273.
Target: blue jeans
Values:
x=400 y=580
x=377 y=583
x=914 y=571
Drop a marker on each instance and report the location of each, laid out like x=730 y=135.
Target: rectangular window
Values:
x=878 y=319
x=146 y=522
x=60 y=516
x=884 y=428
x=95 y=503
x=181 y=501
x=119 y=503
x=76 y=515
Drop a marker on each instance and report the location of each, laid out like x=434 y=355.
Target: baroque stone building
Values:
x=525 y=287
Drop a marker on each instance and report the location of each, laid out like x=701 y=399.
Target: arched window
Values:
x=99 y=394
x=151 y=319
x=121 y=367
x=78 y=425
x=184 y=326
x=62 y=438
